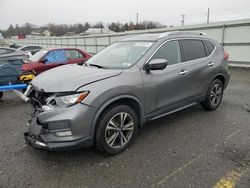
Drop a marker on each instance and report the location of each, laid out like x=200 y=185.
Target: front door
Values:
x=166 y=88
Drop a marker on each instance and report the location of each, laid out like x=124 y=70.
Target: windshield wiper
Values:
x=98 y=66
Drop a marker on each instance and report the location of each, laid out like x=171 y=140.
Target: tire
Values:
x=214 y=95
x=112 y=136
x=1 y=95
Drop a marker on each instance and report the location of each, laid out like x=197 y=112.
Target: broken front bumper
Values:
x=44 y=129
x=38 y=142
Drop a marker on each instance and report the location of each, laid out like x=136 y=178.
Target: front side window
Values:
x=193 y=49
x=120 y=55
x=55 y=56
x=169 y=51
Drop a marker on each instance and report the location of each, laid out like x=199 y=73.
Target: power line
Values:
x=215 y=14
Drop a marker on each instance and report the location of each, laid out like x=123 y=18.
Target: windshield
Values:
x=37 y=56
x=120 y=55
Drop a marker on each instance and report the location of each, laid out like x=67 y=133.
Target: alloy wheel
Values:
x=216 y=95
x=119 y=130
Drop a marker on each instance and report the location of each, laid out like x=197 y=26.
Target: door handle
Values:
x=210 y=64
x=183 y=72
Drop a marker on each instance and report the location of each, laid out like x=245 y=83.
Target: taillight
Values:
x=226 y=55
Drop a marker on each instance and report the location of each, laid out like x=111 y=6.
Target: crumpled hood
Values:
x=70 y=77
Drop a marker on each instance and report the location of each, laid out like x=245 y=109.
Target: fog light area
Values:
x=63 y=133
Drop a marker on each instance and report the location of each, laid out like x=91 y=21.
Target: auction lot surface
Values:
x=191 y=148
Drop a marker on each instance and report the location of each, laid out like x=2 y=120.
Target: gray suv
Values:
x=137 y=79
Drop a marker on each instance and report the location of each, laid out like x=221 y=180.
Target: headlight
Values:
x=68 y=100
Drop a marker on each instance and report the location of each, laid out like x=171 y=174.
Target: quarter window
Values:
x=169 y=51
x=210 y=47
x=193 y=49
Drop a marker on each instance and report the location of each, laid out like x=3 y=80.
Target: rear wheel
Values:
x=214 y=95
x=116 y=129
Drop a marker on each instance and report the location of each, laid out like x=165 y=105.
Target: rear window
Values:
x=210 y=47
x=193 y=49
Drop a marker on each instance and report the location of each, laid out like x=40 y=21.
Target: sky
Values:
x=42 y=12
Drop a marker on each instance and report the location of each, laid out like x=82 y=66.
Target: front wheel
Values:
x=214 y=95
x=116 y=129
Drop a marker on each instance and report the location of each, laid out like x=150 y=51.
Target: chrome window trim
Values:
x=178 y=39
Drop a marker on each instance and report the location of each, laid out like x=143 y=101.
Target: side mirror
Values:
x=156 y=64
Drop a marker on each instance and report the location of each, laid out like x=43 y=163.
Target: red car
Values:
x=46 y=59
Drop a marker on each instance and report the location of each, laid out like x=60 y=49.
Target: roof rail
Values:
x=181 y=33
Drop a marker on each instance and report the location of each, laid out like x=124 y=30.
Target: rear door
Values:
x=197 y=64
x=75 y=56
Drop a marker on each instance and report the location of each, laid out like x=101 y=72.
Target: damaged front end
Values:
x=57 y=120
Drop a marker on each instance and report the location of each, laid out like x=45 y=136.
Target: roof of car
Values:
x=49 y=49
x=30 y=46
x=157 y=36
x=7 y=48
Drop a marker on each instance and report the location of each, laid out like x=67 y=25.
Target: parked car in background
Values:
x=49 y=58
x=31 y=49
x=135 y=80
x=10 y=52
x=14 y=45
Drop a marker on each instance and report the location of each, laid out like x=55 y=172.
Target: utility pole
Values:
x=137 y=19
x=208 y=15
x=182 y=20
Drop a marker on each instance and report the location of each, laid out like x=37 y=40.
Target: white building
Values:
x=94 y=31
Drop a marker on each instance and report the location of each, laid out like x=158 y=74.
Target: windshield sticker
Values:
x=143 y=44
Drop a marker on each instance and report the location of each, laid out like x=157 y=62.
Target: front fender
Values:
x=110 y=101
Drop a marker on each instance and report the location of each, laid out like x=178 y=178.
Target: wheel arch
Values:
x=129 y=100
x=219 y=76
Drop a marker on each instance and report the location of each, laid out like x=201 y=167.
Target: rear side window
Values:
x=73 y=54
x=193 y=49
x=169 y=51
x=210 y=47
